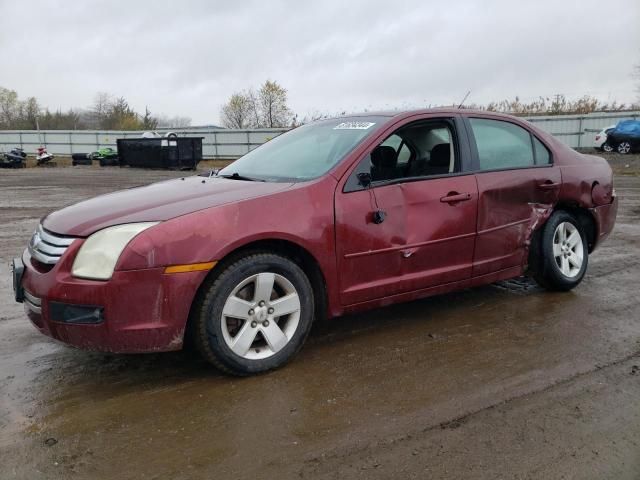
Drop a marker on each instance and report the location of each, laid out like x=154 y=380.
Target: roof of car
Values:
x=439 y=110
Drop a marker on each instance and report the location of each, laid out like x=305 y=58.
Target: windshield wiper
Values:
x=237 y=176
x=210 y=173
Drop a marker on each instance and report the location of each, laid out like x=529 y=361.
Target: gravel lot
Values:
x=504 y=381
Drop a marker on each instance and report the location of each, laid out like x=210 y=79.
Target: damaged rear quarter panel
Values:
x=579 y=181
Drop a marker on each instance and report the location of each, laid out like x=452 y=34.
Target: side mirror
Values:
x=364 y=179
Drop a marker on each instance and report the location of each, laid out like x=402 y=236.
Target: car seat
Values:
x=383 y=163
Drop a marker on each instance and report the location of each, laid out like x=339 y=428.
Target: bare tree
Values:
x=8 y=107
x=273 y=105
x=238 y=111
x=32 y=111
x=102 y=103
x=106 y=112
x=254 y=107
x=265 y=109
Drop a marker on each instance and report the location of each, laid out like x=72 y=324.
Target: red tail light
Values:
x=597 y=137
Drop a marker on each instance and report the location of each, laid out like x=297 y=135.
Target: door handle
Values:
x=548 y=185
x=455 y=197
x=406 y=253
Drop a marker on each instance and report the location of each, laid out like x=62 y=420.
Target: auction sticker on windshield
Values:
x=353 y=126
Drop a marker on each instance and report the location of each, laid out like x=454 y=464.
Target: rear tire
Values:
x=607 y=148
x=235 y=322
x=559 y=259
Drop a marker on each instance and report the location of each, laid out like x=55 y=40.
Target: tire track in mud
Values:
x=315 y=465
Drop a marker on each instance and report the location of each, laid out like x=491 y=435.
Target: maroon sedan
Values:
x=337 y=216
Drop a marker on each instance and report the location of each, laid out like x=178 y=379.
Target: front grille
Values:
x=47 y=247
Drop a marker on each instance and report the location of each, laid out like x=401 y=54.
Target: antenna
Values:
x=465 y=97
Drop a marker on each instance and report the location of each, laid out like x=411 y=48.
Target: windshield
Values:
x=304 y=153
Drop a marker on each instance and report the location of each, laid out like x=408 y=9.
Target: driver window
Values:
x=403 y=153
x=420 y=149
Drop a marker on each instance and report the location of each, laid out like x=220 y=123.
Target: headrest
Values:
x=440 y=155
x=384 y=156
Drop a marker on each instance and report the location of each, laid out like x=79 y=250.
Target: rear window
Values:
x=543 y=156
x=504 y=145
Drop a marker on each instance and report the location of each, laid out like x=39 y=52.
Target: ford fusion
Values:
x=333 y=217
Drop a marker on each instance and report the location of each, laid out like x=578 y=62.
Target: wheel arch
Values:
x=585 y=218
x=287 y=248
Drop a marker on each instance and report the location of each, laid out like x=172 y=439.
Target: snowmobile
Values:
x=14 y=159
x=106 y=156
x=44 y=158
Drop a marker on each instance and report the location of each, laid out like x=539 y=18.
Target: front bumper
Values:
x=135 y=311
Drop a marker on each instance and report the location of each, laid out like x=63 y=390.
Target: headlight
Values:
x=99 y=254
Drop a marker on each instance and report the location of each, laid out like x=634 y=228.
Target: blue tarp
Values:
x=629 y=127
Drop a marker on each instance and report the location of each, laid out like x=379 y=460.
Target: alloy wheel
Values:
x=568 y=249
x=624 y=147
x=260 y=316
x=607 y=148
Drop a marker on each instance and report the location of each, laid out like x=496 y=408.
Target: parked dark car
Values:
x=337 y=216
x=625 y=138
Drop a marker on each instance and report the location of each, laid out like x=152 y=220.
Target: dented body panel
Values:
x=511 y=205
x=422 y=243
x=424 y=246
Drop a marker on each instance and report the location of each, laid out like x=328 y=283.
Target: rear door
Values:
x=429 y=206
x=516 y=181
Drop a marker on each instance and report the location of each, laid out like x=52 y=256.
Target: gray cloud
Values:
x=186 y=58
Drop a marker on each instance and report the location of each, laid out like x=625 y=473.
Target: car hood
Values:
x=155 y=202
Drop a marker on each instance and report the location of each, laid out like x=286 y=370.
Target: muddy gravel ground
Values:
x=506 y=381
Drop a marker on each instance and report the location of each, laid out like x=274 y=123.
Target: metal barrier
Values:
x=216 y=143
x=574 y=130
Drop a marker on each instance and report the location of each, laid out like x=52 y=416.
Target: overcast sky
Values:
x=187 y=57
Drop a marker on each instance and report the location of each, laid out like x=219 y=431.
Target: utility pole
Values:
x=38 y=128
x=555 y=107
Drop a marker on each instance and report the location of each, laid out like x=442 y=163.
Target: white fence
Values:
x=578 y=131
x=574 y=130
x=216 y=143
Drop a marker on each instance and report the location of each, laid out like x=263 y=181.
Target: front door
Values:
x=414 y=227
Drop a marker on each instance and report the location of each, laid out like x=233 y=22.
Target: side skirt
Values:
x=505 y=274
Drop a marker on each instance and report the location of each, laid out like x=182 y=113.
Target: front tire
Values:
x=561 y=256
x=254 y=316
